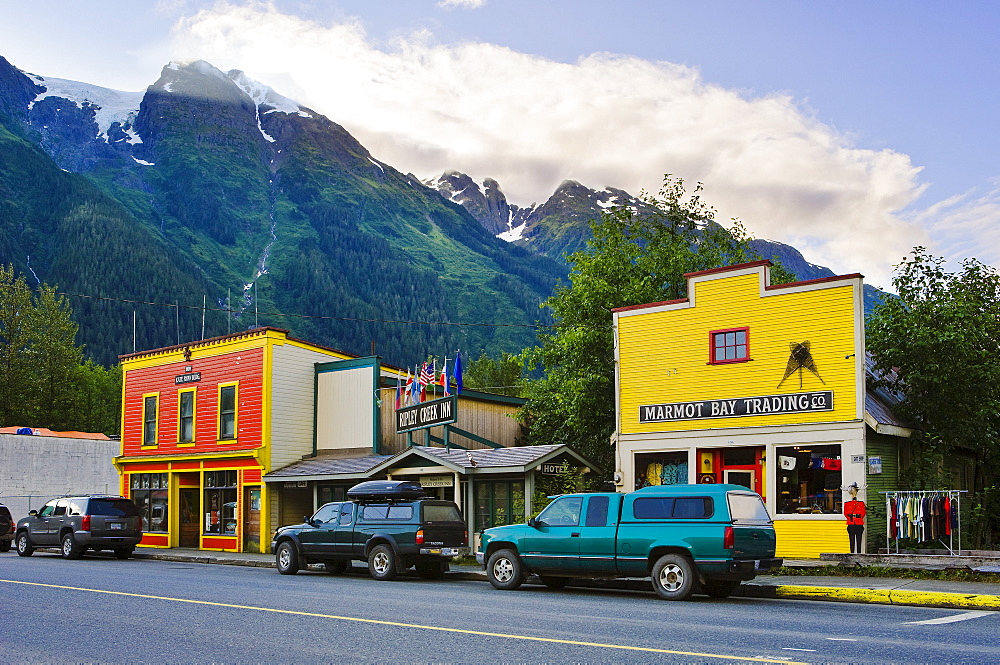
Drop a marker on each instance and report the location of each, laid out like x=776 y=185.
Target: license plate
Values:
x=115 y=526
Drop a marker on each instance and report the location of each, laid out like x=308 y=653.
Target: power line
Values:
x=230 y=311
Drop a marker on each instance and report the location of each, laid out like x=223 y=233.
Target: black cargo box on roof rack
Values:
x=386 y=490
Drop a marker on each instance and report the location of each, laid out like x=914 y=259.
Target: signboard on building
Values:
x=428 y=414
x=740 y=406
x=437 y=481
x=190 y=377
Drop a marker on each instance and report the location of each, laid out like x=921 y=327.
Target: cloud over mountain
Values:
x=606 y=119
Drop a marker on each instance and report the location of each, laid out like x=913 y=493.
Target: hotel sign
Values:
x=740 y=406
x=428 y=414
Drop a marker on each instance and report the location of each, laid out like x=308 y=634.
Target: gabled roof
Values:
x=499 y=460
x=323 y=468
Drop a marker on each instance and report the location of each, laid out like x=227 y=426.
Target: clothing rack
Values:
x=924 y=515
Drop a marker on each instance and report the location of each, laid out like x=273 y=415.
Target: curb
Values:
x=876 y=596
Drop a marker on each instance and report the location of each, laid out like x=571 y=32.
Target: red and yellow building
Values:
x=203 y=422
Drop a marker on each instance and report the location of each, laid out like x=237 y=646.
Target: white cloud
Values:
x=467 y=4
x=965 y=226
x=604 y=120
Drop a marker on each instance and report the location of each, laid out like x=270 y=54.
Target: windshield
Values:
x=747 y=508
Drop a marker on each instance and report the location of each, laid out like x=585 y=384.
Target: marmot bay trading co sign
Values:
x=428 y=414
x=741 y=406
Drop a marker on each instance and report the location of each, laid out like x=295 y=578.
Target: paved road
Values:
x=100 y=609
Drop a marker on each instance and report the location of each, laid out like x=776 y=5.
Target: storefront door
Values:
x=251 y=524
x=738 y=477
x=188 y=536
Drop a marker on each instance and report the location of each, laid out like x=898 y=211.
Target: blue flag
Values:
x=458 y=373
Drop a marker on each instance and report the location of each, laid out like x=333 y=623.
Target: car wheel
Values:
x=5 y=546
x=431 y=570
x=720 y=588
x=286 y=558
x=382 y=563
x=70 y=550
x=123 y=552
x=335 y=567
x=505 y=570
x=24 y=546
x=554 y=582
x=673 y=577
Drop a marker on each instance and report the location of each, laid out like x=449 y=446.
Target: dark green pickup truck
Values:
x=684 y=537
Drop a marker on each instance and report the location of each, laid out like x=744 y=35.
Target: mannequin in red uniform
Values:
x=854 y=511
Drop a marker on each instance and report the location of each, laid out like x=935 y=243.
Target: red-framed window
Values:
x=731 y=345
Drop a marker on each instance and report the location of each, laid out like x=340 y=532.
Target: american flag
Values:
x=426 y=374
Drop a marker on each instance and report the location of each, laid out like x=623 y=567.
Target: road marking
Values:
x=399 y=624
x=951 y=619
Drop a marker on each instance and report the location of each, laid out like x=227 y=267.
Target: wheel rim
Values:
x=67 y=546
x=284 y=558
x=503 y=570
x=380 y=562
x=672 y=577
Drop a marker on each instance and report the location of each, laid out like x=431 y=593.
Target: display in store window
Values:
x=661 y=469
x=809 y=479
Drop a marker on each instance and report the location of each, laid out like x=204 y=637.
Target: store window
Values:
x=661 y=469
x=227 y=412
x=499 y=502
x=150 y=492
x=149 y=408
x=809 y=479
x=185 y=416
x=220 y=502
x=328 y=493
x=729 y=346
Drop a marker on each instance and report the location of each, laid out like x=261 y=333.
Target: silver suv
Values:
x=78 y=523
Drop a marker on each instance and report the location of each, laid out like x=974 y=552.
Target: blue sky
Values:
x=852 y=130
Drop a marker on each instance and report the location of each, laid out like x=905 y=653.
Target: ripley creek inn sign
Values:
x=741 y=406
x=428 y=414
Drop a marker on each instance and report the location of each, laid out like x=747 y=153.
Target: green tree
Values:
x=631 y=259
x=16 y=313
x=500 y=376
x=45 y=381
x=942 y=338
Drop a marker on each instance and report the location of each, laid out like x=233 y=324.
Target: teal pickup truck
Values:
x=684 y=537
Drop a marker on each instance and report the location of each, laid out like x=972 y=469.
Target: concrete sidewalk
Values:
x=880 y=590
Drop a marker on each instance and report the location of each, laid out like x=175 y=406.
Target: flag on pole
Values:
x=444 y=377
x=458 y=373
x=399 y=390
x=409 y=387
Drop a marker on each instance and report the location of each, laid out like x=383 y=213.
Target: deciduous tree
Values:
x=942 y=336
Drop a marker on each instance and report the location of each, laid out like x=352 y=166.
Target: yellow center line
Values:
x=399 y=624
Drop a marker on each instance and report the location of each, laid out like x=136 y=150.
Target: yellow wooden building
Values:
x=752 y=384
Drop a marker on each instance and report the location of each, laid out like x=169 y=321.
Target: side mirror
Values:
x=32 y=513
